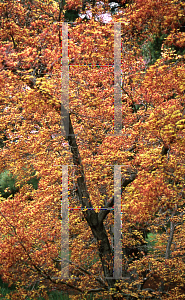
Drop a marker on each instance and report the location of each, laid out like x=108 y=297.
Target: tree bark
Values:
x=94 y=220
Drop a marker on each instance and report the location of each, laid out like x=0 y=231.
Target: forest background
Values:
x=150 y=148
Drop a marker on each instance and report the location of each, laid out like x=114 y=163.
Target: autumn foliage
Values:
x=151 y=149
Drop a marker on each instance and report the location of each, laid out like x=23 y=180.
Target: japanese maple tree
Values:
x=150 y=149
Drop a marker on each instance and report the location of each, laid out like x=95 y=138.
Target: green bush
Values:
x=151 y=240
x=8 y=183
x=152 y=50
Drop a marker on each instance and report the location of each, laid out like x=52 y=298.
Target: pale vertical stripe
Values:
x=65 y=81
x=117 y=223
x=117 y=80
x=65 y=224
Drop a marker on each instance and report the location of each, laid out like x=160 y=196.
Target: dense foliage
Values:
x=150 y=148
